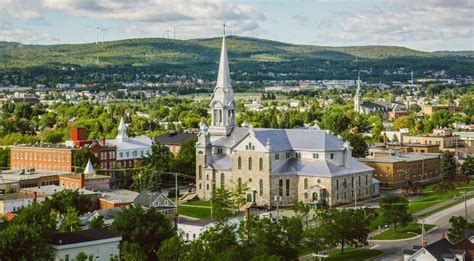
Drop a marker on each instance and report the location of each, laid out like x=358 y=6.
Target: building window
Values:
x=207 y=177
x=280 y=187
x=222 y=180
x=277 y=156
x=250 y=163
x=352 y=182
x=337 y=184
x=345 y=183
x=288 y=155
x=200 y=172
x=332 y=155
x=207 y=186
x=260 y=164
x=315 y=156
x=239 y=162
x=366 y=180
x=305 y=183
x=219 y=151
x=287 y=187
x=359 y=181
x=261 y=187
x=250 y=147
x=200 y=187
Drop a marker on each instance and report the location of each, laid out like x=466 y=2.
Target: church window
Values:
x=260 y=164
x=200 y=172
x=305 y=183
x=250 y=163
x=239 y=162
x=207 y=186
x=337 y=184
x=261 y=187
x=222 y=180
x=287 y=187
x=332 y=155
x=359 y=181
x=366 y=180
x=219 y=150
x=250 y=146
x=315 y=156
x=288 y=155
x=277 y=156
x=280 y=187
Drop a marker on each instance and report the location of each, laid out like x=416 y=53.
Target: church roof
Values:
x=319 y=168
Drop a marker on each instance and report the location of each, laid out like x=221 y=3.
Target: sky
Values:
x=426 y=25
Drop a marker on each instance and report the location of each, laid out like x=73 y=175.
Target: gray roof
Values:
x=147 y=197
x=221 y=162
x=404 y=157
x=51 y=189
x=319 y=168
x=139 y=142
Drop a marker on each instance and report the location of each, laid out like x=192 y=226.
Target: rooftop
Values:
x=87 y=176
x=51 y=189
x=43 y=145
x=403 y=157
x=119 y=196
x=75 y=237
x=17 y=175
x=12 y=196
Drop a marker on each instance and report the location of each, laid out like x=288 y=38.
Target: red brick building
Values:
x=41 y=157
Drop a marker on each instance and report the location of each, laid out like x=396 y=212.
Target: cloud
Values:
x=25 y=10
x=301 y=19
x=10 y=33
x=155 y=16
x=403 y=21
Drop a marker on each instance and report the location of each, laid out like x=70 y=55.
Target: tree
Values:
x=448 y=166
x=216 y=243
x=146 y=179
x=82 y=256
x=185 y=160
x=467 y=167
x=317 y=239
x=70 y=221
x=221 y=204
x=173 y=249
x=238 y=195
x=335 y=121
x=457 y=226
x=97 y=222
x=395 y=211
x=301 y=210
x=38 y=217
x=61 y=201
x=360 y=148
x=414 y=108
x=345 y=227
x=82 y=156
x=24 y=242
x=4 y=158
x=160 y=158
x=150 y=228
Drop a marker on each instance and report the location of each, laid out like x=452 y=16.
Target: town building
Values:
x=191 y=229
x=157 y=200
x=13 y=181
x=394 y=168
x=173 y=140
x=444 y=138
x=49 y=190
x=86 y=180
x=13 y=202
x=442 y=249
x=41 y=157
x=97 y=244
x=278 y=166
x=129 y=149
x=117 y=198
x=430 y=109
x=466 y=143
x=108 y=214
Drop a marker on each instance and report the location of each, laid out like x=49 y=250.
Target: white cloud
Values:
x=10 y=33
x=193 y=17
x=25 y=10
x=404 y=21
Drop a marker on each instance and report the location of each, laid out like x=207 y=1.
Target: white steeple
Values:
x=122 y=131
x=89 y=169
x=358 y=97
x=223 y=103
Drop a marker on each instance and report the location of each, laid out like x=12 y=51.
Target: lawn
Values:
x=353 y=254
x=409 y=231
x=194 y=211
x=203 y=203
x=431 y=197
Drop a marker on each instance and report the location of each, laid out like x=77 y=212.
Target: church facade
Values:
x=369 y=107
x=284 y=165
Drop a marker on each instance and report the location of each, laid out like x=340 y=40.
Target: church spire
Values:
x=122 y=131
x=223 y=103
x=358 y=97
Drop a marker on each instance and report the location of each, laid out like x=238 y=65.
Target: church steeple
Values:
x=122 y=131
x=223 y=104
x=358 y=97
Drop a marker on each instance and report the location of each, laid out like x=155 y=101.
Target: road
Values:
x=393 y=249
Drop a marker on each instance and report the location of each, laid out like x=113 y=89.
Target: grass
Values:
x=429 y=213
x=353 y=254
x=409 y=231
x=195 y=212
x=201 y=203
x=430 y=197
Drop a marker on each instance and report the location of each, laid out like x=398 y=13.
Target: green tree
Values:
x=97 y=222
x=150 y=228
x=185 y=160
x=467 y=167
x=70 y=221
x=82 y=156
x=82 y=256
x=414 y=108
x=4 y=158
x=38 y=217
x=345 y=227
x=146 y=179
x=173 y=249
x=216 y=243
x=238 y=195
x=67 y=198
x=335 y=121
x=221 y=204
x=395 y=211
x=448 y=166
x=457 y=226
x=24 y=242
x=358 y=144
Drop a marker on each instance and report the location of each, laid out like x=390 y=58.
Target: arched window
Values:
x=260 y=164
x=200 y=172
x=261 y=187
x=222 y=180
x=280 y=187
x=305 y=183
x=239 y=163
x=250 y=163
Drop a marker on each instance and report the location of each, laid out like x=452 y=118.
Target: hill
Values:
x=199 y=56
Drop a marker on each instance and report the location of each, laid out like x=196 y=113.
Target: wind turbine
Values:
x=103 y=34
x=97 y=29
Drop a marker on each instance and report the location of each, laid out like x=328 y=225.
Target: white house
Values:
x=190 y=230
x=100 y=244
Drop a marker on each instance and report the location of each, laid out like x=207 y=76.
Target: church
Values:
x=281 y=166
x=369 y=107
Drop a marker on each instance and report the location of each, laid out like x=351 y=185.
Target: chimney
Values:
x=425 y=244
x=82 y=181
x=443 y=235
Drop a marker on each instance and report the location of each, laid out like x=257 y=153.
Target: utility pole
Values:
x=465 y=204
x=355 y=191
x=176 y=186
x=422 y=231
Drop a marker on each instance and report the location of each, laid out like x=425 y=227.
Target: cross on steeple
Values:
x=224 y=28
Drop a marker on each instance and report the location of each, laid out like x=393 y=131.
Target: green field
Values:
x=409 y=231
x=353 y=254
x=195 y=212
x=431 y=197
